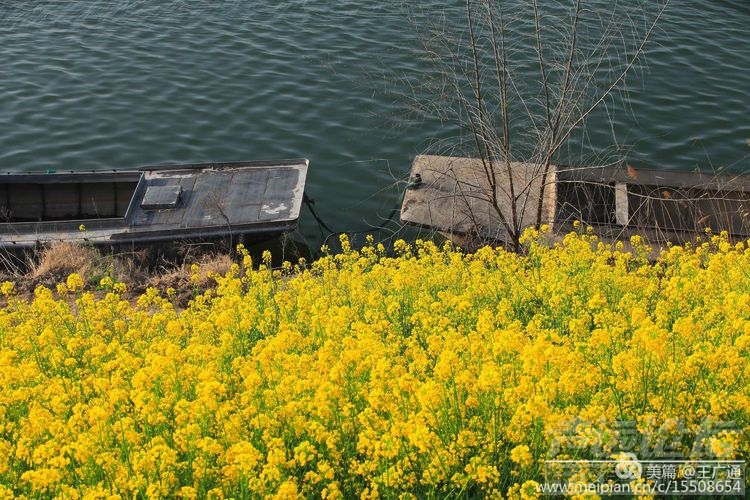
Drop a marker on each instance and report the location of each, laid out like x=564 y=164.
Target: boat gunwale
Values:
x=135 y=174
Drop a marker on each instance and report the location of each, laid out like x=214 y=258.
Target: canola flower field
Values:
x=430 y=373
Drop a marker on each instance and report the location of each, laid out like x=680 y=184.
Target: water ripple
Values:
x=115 y=84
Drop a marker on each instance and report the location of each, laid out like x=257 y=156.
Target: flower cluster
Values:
x=428 y=373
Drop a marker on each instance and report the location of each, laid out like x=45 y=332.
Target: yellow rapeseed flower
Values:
x=363 y=374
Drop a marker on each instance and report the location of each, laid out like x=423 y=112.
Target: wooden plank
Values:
x=281 y=196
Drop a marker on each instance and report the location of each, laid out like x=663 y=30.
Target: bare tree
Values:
x=521 y=77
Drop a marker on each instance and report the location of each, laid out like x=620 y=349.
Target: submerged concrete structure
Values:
x=469 y=200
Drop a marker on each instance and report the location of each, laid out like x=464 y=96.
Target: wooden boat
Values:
x=251 y=199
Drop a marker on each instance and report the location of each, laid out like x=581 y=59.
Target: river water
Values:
x=122 y=83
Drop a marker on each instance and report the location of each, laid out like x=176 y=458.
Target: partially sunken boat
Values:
x=252 y=199
x=453 y=195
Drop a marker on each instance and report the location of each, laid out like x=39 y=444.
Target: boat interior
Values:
x=66 y=201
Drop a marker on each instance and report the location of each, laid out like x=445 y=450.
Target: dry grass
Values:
x=63 y=258
x=140 y=269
